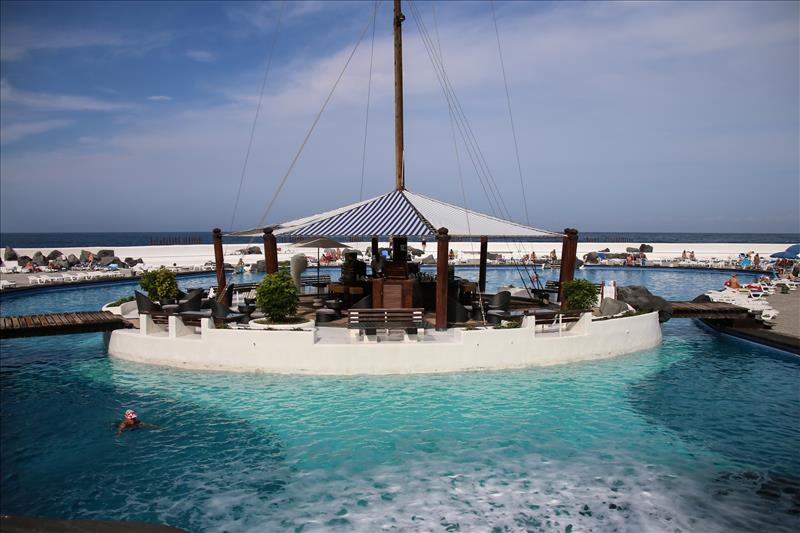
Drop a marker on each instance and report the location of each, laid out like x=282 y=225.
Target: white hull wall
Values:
x=300 y=352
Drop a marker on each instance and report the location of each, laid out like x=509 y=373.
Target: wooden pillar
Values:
x=443 y=248
x=482 y=267
x=270 y=251
x=569 y=249
x=219 y=260
x=375 y=250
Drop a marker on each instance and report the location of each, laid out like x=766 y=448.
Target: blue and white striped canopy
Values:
x=401 y=213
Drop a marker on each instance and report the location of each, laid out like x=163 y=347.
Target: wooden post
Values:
x=375 y=250
x=219 y=261
x=482 y=267
x=569 y=248
x=443 y=247
x=270 y=251
x=398 y=97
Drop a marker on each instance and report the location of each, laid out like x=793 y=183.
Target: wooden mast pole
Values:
x=219 y=262
x=270 y=252
x=398 y=97
x=569 y=249
x=442 y=278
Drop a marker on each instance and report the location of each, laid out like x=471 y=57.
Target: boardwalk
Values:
x=60 y=324
x=716 y=310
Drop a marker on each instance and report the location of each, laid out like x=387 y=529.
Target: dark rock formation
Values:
x=73 y=260
x=610 y=306
x=39 y=259
x=130 y=261
x=61 y=263
x=643 y=300
x=606 y=250
x=702 y=299
x=23 y=260
x=591 y=257
x=632 y=250
x=106 y=261
x=104 y=253
x=645 y=249
x=10 y=254
x=250 y=250
x=85 y=256
x=429 y=260
x=259 y=266
x=55 y=254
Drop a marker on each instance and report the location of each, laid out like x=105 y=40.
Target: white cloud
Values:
x=14 y=132
x=17 y=42
x=203 y=56
x=159 y=98
x=55 y=102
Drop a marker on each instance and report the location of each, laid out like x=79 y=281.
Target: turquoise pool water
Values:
x=700 y=434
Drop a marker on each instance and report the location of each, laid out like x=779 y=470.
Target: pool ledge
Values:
x=326 y=352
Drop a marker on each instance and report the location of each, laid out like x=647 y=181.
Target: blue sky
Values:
x=649 y=116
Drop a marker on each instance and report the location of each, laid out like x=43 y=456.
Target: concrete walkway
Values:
x=788 y=321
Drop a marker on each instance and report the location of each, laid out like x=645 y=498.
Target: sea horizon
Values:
x=155 y=238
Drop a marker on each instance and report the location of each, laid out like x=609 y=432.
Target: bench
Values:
x=371 y=320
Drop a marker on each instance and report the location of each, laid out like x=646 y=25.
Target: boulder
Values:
x=85 y=256
x=39 y=259
x=10 y=254
x=250 y=250
x=23 y=260
x=55 y=254
x=610 y=307
x=130 y=261
x=643 y=300
x=259 y=266
x=61 y=263
x=429 y=260
x=632 y=250
x=702 y=299
x=72 y=260
x=591 y=257
x=645 y=249
x=605 y=250
x=104 y=253
x=114 y=260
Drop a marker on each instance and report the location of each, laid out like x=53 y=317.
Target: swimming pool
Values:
x=699 y=434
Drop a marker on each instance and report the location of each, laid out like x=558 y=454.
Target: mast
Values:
x=398 y=97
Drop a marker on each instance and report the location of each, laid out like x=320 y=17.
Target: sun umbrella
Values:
x=319 y=243
x=792 y=252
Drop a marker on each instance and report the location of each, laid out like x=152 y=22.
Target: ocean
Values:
x=69 y=240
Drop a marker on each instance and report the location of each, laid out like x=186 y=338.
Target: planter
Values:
x=253 y=324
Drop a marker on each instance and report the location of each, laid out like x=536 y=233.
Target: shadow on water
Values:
x=735 y=400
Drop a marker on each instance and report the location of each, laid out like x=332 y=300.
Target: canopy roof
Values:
x=401 y=213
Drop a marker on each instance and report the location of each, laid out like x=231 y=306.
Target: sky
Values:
x=651 y=116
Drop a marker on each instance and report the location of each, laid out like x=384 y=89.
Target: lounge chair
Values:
x=222 y=314
x=145 y=305
x=500 y=301
x=191 y=301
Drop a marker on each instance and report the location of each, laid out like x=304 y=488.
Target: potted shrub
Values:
x=277 y=297
x=580 y=294
x=159 y=284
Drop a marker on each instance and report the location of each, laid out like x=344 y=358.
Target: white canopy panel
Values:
x=402 y=213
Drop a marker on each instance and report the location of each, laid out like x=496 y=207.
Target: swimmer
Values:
x=132 y=421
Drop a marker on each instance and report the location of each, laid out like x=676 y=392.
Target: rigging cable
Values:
x=510 y=115
x=258 y=110
x=369 y=93
x=311 y=129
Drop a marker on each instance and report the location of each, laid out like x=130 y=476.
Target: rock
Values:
x=39 y=259
x=55 y=254
x=23 y=260
x=250 y=250
x=429 y=260
x=643 y=300
x=259 y=266
x=610 y=307
x=10 y=254
x=61 y=263
x=114 y=260
x=578 y=264
x=130 y=261
x=85 y=256
x=632 y=250
x=702 y=299
x=645 y=249
x=591 y=257
x=72 y=260
x=606 y=250
x=104 y=253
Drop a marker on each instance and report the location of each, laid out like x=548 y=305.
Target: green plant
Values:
x=277 y=297
x=117 y=303
x=160 y=284
x=580 y=294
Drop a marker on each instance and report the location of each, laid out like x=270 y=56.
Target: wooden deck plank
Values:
x=60 y=323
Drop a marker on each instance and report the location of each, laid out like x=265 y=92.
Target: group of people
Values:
x=688 y=256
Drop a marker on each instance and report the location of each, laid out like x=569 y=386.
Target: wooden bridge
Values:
x=708 y=310
x=60 y=324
